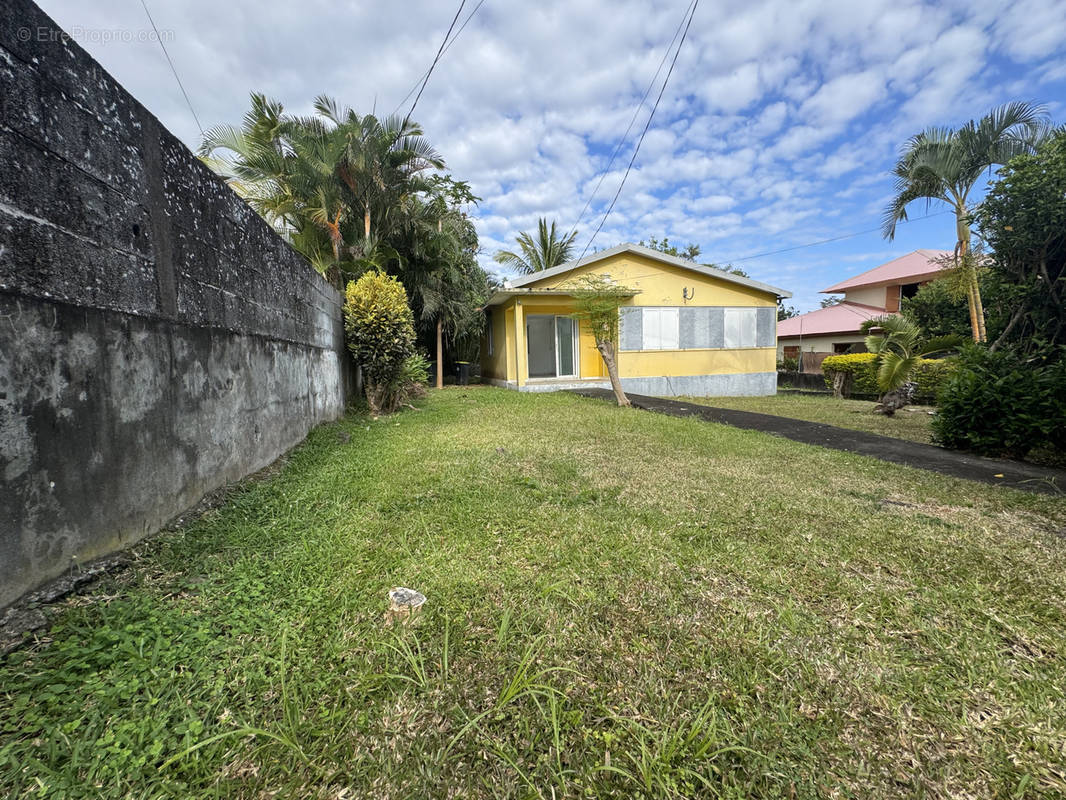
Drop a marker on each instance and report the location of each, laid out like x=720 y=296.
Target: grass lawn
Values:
x=621 y=604
x=912 y=423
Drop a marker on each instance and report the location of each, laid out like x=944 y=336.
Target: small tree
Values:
x=381 y=336
x=598 y=300
x=899 y=347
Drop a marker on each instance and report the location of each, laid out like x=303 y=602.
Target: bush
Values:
x=381 y=336
x=413 y=378
x=1004 y=403
x=929 y=376
x=788 y=364
x=862 y=367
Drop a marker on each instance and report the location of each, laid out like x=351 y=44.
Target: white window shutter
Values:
x=669 y=329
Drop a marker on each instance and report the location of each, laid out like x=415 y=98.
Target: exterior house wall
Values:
x=495 y=364
x=870 y=296
x=662 y=284
x=818 y=344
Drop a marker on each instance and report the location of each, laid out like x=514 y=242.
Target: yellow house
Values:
x=687 y=329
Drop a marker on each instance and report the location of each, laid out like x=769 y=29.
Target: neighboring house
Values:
x=687 y=329
x=836 y=329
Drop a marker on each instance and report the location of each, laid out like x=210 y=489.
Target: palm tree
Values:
x=336 y=184
x=549 y=250
x=944 y=164
x=379 y=160
x=899 y=346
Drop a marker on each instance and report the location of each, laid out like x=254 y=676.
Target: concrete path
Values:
x=995 y=471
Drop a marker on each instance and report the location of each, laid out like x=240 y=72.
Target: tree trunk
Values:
x=973 y=291
x=366 y=222
x=842 y=384
x=606 y=349
x=979 y=308
x=440 y=355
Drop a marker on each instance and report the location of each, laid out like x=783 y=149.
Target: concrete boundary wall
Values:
x=157 y=338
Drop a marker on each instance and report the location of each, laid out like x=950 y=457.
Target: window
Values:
x=488 y=327
x=661 y=329
x=741 y=325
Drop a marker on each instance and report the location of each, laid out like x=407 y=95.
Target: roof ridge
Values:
x=647 y=252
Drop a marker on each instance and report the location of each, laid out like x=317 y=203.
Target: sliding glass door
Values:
x=551 y=346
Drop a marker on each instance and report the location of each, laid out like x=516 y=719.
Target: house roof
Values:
x=844 y=317
x=910 y=268
x=503 y=295
x=647 y=252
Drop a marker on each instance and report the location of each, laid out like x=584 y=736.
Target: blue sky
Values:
x=779 y=127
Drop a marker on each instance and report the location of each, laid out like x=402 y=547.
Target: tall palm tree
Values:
x=547 y=251
x=944 y=164
x=379 y=160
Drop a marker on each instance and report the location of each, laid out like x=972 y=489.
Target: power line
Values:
x=436 y=58
x=159 y=39
x=622 y=141
x=651 y=116
x=447 y=47
x=827 y=241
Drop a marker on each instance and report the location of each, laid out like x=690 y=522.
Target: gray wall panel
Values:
x=716 y=327
x=631 y=329
x=766 y=327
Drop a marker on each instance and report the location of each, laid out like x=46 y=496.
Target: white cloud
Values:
x=843 y=98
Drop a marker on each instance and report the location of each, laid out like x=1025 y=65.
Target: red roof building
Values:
x=836 y=329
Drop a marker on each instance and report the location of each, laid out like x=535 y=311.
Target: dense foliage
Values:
x=1023 y=220
x=1004 y=402
x=381 y=336
x=929 y=375
x=354 y=193
x=940 y=310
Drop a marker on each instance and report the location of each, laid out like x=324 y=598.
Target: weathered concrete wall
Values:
x=157 y=339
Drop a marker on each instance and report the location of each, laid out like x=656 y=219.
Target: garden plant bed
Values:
x=619 y=604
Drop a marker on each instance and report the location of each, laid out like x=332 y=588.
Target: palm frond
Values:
x=894 y=370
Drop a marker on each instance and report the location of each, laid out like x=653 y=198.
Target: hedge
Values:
x=930 y=375
x=1005 y=403
x=861 y=366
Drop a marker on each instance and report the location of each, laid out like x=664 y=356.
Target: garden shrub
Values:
x=413 y=378
x=1004 y=403
x=862 y=367
x=929 y=376
x=381 y=336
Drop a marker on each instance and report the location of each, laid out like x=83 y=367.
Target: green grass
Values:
x=620 y=604
x=912 y=423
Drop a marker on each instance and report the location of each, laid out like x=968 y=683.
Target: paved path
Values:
x=999 y=472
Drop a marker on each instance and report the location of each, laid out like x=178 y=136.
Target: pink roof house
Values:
x=869 y=294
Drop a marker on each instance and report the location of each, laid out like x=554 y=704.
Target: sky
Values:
x=779 y=127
